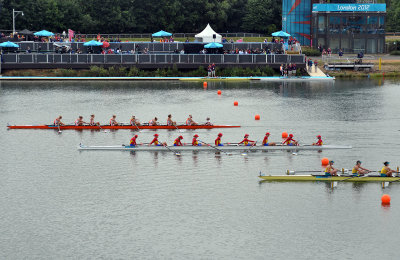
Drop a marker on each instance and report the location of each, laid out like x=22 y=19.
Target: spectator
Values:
x=340 y=53
x=316 y=66
x=213 y=70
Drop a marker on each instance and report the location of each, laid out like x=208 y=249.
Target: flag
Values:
x=70 y=35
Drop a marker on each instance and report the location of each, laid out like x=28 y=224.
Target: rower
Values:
x=246 y=141
x=290 y=141
x=133 y=141
x=195 y=142
x=330 y=170
x=113 y=122
x=92 y=122
x=319 y=142
x=177 y=141
x=358 y=170
x=57 y=121
x=386 y=171
x=155 y=141
x=218 y=140
x=265 y=141
x=170 y=122
x=189 y=121
x=79 y=121
x=134 y=121
x=208 y=122
x=153 y=122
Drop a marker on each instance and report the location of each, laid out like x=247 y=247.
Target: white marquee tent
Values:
x=207 y=35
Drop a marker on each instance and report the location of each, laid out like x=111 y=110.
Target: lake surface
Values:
x=58 y=203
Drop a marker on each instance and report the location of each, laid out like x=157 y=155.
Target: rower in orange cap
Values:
x=290 y=141
x=155 y=141
x=265 y=140
x=195 y=142
x=246 y=141
x=218 y=140
x=319 y=142
x=177 y=141
x=133 y=141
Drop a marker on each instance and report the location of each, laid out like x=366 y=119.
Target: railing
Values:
x=14 y=58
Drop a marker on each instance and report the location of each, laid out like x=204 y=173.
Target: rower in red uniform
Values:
x=133 y=141
x=189 y=121
x=92 y=122
x=265 y=141
x=177 y=141
x=290 y=141
x=319 y=142
x=57 y=121
x=153 y=122
x=246 y=141
x=113 y=122
x=195 y=142
x=218 y=140
x=155 y=140
x=79 y=121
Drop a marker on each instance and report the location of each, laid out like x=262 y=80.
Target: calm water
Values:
x=57 y=202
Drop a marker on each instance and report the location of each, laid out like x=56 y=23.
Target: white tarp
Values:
x=207 y=35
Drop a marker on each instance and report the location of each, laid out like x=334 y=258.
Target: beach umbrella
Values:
x=9 y=45
x=161 y=34
x=281 y=34
x=93 y=43
x=25 y=32
x=106 y=44
x=213 y=45
x=44 y=33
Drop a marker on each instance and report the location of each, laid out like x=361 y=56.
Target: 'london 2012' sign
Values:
x=349 y=8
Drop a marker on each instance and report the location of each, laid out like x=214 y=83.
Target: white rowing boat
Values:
x=211 y=148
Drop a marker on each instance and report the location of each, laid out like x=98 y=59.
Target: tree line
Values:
x=139 y=16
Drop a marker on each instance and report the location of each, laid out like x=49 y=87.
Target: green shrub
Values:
x=311 y=52
x=395 y=53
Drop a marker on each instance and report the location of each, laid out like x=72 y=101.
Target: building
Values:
x=352 y=25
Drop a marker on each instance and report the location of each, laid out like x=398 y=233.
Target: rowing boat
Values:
x=288 y=178
x=209 y=148
x=87 y=127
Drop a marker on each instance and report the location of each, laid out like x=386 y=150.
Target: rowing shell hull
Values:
x=208 y=148
x=129 y=127
x=288 y=178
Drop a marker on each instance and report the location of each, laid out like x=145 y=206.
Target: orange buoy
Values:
x=284 y=135
x=385 y=199
x=205 y=84
x=257 y=117
x=219 y=92
x=324 y=161
x=235 y=103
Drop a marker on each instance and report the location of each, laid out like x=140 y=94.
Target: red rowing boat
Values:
x=87 y=127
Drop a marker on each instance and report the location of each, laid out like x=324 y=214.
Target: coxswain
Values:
x=358 y=170
x=79 y=121
x=218 y=140
x=155 y=141
x=177 y=141
x=319 y=142
x=290 y=141
x=386 y=171
x=189 y=121
x=265 y=141
x=170 y=122
x=92 y=122
x=246 y=141
x=133 y=141
x=208 y=121
x=57 y=121
x=153 y=122
x=195 y=142
x=134 y=121
x=330 y=170
x=113 y=122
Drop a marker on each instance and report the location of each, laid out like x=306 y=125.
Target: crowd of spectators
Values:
x=288 y=70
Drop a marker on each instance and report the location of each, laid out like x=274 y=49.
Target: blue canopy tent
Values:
x=281 y=34
x=213 y=45
x=93 y=43
x=44 y=33
x=9 y=45
x=161 y=34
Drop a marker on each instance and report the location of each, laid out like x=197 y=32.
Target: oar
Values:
x=288 y=172
x=180 y=131
x=215 y=148
x=334 y=184
x=105 y=131
x=169 y=149
x=59 y=130
x=245 y=152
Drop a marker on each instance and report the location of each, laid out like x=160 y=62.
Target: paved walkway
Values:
x=317 y=73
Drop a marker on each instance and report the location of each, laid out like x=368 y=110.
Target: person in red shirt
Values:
x=246 y=141
x=195 y=142
x=319 y=142
x=265 y=141
x=133 y=141
x=290 y=141
x=177 y=141
x=155 y=141
x=218 y=140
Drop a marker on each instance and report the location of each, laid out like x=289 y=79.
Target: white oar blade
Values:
x=334 y=184
x=385 y=184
